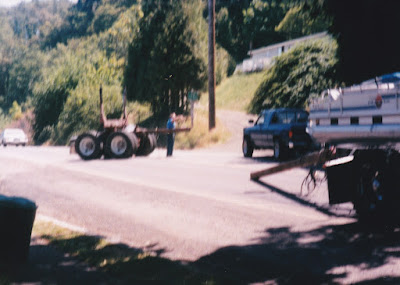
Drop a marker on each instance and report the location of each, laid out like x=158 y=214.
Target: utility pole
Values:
x=211 y=64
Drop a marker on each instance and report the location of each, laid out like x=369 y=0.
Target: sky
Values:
x=10 y=3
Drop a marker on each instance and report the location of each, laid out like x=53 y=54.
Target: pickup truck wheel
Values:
x=280 y=151
x=247 y=147
x=87 y=146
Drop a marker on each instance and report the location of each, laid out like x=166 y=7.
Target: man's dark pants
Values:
x=170 y=144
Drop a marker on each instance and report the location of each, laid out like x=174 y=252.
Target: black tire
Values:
x=148 y=143
x=120 y=145
x=134 y=142
x=280 y=151
x=87 y=146
x=101 y=137
x=247 y=147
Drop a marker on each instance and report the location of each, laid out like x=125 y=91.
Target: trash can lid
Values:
x=16 y=202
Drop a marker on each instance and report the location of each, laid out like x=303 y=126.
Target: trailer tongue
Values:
x=359 y=129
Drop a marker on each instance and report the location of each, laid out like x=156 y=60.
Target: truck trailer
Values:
x=358 y=128
x=115 y=138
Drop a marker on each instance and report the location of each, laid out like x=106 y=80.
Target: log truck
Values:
x=116 y=139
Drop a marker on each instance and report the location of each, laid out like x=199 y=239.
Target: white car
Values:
x=13 y=136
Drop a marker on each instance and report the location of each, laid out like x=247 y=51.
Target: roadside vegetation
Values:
x=55 y=55
x=236 y=92
x=301 y=73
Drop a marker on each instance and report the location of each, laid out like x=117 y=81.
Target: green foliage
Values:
x=245 y=25
x=236 y=92
x=104 y=17
x=15 y=111
x=116 y=40
x=6 y=51
x=82 y=112
x=23 y=74
x=304 y=71
x=82 y=19
x=50 y=95
x=31 y=21
x=299 y=22
x=4 y=119
x=68 y=100
x=162 y=65
x=260 y=19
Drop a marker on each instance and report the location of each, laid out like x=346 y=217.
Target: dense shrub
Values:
x=304 y=71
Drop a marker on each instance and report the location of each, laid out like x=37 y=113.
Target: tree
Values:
x=245 y=25
x=299 y=21
x=50 y=95
x=23 y=74
x=260 y=20
x=304 y=71
x=15 y=111
x=162 y=66
x=7 y=44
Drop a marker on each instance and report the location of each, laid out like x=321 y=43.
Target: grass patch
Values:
x=121 y=262
x=236 y=92
x=200 y=136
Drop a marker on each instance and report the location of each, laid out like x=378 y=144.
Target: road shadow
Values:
x=325 y=209
x=324 y=255
x=267 y=156
x=321 y=256
x=48 y=265
x=86 y=259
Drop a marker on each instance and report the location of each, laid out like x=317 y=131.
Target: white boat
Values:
x=365 y=113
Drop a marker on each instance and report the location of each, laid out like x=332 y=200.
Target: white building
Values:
x=262 y=58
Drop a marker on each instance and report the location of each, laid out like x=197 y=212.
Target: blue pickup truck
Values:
x=283 y=130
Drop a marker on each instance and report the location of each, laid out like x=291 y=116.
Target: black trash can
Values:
x=17 y=215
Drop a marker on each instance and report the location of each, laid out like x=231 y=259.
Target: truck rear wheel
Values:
x=147 y=145
x=87 y=146
x=120 y=145
x=247 y=147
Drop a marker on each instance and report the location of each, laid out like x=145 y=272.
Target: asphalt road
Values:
x=201 y=206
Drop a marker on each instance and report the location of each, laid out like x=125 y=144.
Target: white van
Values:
x=13 y=136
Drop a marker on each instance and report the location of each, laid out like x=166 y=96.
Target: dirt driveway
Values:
x=234 y=121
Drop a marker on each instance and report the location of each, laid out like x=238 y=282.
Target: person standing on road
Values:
x=171 y=136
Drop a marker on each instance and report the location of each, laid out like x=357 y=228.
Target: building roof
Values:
x=287 y=43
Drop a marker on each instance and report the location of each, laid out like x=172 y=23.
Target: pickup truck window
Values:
x=290 y=117
x=275 y=119
x=283 y=118
x=260 y=120
x=302 y=117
